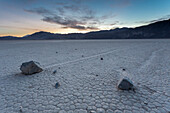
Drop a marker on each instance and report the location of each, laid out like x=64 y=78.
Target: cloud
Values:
x=72 y=7
x=62 y=21
x=83 y=28
x=115 y=23
x=155 y=20
x=72 y=15
x=60 y=11
x=40 y=11
x=84 y=12
x=68 y=23
x=109 y=15
x=80 y=23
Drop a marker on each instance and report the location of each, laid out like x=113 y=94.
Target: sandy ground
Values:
x=87 y=83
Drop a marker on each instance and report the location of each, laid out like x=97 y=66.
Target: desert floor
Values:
x=87 y=83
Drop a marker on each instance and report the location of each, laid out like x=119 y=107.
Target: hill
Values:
x=157 y=30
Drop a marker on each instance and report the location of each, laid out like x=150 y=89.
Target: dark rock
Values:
x=125 y=84
x=82 y=56
x=20 y=109
x=31 y=67
x=57 y=85
x=123 y=69
x=145 y=103
x=101 y=58
x=55 y=71
x=56 y=52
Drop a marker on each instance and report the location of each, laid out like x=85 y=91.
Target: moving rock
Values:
x=57 y=85
x=55 y=71
x=125 y=84
x=31 y=67
x=20 y=109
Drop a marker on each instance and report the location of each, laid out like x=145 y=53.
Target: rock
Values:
x=125 y=84
x=55 y=71
x=20 y=109
x=101 y=58
x=57 y=85
x=31 y=67
x=123 y=69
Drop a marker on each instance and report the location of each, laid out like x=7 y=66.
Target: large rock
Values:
x=31 y=67
x=125 y=84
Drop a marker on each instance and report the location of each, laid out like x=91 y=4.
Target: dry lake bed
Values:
x=87 y=83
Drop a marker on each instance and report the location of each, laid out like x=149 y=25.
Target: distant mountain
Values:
x=158 y=30
x=155 y=30
x=9 y=38
x=40 y=36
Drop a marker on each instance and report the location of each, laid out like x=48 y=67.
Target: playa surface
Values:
x=87 y=83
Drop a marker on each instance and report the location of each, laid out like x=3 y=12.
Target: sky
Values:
x=23 y=17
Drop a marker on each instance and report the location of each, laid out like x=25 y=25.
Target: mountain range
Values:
x=157 y=30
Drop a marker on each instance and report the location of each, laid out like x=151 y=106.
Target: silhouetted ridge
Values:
x=156 y=30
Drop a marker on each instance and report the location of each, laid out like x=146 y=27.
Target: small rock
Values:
x=55 y=71
x=56 y=52
x=82 y=56
x=20 y=109
x=101 y=58
x=57 y=85
x=125 y=84
x=145 y=103
x=97 y=75
x=123 y=69
x=31 y=67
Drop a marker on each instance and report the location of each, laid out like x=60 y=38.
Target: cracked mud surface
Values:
x=87 y=84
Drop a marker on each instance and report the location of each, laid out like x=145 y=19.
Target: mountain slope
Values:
x=156 y=30
x=9 y=38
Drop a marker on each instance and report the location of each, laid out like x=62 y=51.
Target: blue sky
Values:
x=22 y=17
